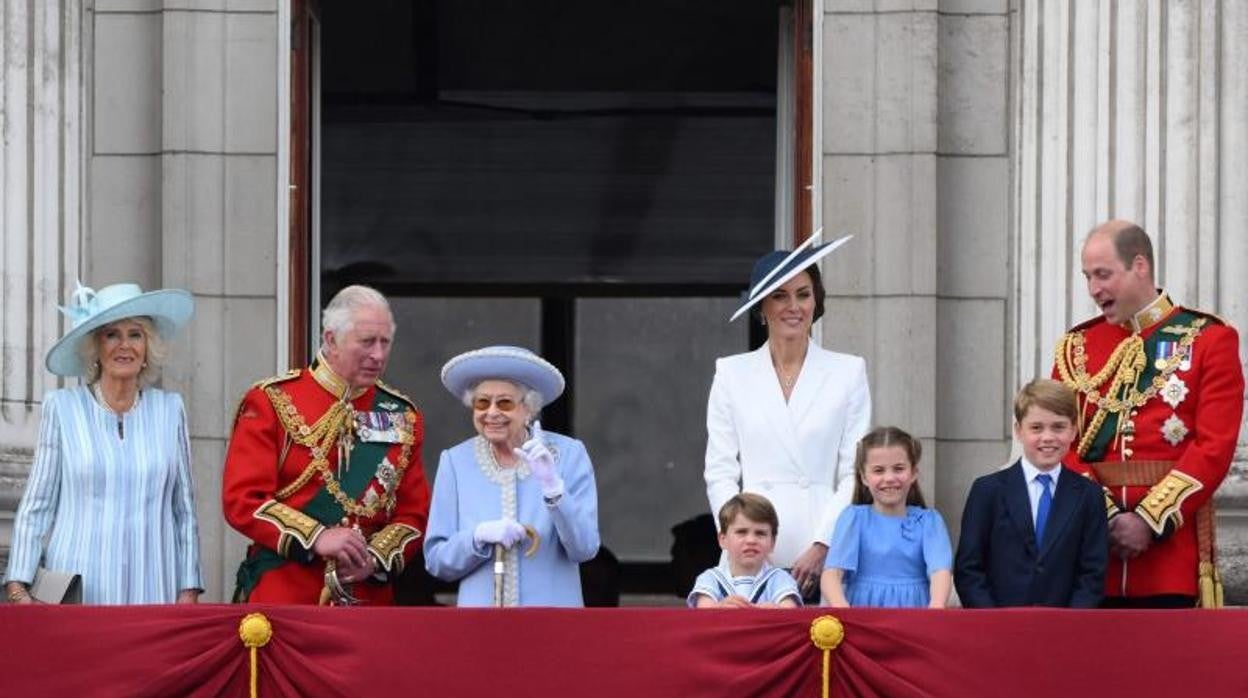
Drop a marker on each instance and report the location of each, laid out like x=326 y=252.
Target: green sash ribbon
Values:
x=365 y=459
x=1109 y=428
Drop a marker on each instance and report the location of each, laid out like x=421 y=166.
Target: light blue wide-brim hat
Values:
x=501 y=362
x=89 y=310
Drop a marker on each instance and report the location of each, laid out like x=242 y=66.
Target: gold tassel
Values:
x=1210 y=586
x=826 y=632
x=255 y=632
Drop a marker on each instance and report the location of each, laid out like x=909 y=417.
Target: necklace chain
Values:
x=786 y=379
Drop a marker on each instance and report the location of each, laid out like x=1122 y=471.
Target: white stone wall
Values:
x=41 y=149
x=916 y=163
x=158 y=121
x=1136 y=110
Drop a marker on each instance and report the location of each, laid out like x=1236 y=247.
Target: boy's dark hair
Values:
x=883 y=437
x=754 y=507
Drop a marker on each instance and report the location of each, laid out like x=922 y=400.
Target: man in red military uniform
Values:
x=323 y=471
x=1161 y=392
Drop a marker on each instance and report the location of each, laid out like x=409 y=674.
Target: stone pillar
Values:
x=916 y=164
x=973 y=395
x=41 y=176
x=218 y=215
x=1132 y=109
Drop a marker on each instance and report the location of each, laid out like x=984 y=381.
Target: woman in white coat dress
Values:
x=784 y=420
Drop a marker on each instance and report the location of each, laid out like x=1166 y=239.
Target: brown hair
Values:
x=1047 y=394
x=1130 y=242
x=884 y=437
x=754 y=507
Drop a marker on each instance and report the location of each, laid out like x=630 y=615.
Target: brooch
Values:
x=1174 y=391
x=1174 y=430
x=387 y=475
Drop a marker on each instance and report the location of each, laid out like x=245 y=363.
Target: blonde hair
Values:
x=884 y=437
x=156 y=350
x=1047 y=394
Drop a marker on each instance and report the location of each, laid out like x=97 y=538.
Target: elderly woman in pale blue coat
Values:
x=110 y=488
x=515 y=508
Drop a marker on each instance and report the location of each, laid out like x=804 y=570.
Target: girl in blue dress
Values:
x=888 y=548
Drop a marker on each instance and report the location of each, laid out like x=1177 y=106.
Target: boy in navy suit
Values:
x=1035 y=533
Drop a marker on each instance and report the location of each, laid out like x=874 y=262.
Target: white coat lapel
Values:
x=765 y=388
x=809 y=384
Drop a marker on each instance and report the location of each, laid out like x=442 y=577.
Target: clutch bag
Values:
x=51 y=586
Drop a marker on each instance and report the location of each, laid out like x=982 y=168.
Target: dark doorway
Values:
x=590 y=180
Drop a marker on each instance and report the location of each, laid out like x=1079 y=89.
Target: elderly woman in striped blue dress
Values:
x=111 y=479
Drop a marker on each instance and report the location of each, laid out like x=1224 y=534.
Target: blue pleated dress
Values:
x=888 y=560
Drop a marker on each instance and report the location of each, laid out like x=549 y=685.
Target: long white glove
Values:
x=541 y=463
x=508 y=532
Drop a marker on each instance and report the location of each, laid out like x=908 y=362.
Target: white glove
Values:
x=541 y=463
x=505 y=531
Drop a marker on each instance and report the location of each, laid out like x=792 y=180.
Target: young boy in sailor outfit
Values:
x=746 y=579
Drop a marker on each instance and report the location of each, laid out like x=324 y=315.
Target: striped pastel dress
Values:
x=120 y=512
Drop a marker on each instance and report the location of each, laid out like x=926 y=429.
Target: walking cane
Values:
x=535 y=540
x=498 y=575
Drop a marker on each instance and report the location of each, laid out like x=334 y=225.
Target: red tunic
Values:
x=1184 y=407
x=271 y=477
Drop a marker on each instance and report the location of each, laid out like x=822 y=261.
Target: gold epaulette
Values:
x=1087 y=324
x=262 y=384
x=1217 y=319
x=273 y=380
x=391 y=390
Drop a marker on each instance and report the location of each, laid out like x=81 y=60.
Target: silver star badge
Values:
x=1174 y=430
x=1174 y=391
x=387 y=475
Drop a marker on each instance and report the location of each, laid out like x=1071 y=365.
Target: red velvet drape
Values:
x=176 y=651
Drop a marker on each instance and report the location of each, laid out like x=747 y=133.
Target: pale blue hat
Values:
x=503 y=363
x=89 y=310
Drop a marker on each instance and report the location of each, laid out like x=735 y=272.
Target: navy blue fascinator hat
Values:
x=775 y=269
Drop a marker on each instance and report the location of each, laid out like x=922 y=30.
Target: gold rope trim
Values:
x=255 y=631
x=336 y=424
x=1124 y=364
x=826 y=633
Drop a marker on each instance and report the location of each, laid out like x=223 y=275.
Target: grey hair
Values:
x=157 y=350
x=339 y=315
x=530 y=398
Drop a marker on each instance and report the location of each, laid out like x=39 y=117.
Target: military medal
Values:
x=1174 y=391
x=1165 y=350
x=1174 y=430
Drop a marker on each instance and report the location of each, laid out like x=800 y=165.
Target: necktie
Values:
x=1042 y=509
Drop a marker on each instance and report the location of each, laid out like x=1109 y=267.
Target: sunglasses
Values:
x=504 y=403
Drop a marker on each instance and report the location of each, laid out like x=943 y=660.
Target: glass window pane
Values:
x=643 y=370
x=431 y=331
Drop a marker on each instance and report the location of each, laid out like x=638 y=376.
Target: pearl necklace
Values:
x=99 y=397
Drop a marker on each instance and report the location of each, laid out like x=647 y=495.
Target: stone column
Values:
x=218 y=193
x=1133 y=109
x=41 y=176
x=879 y=107
x=973 y=394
